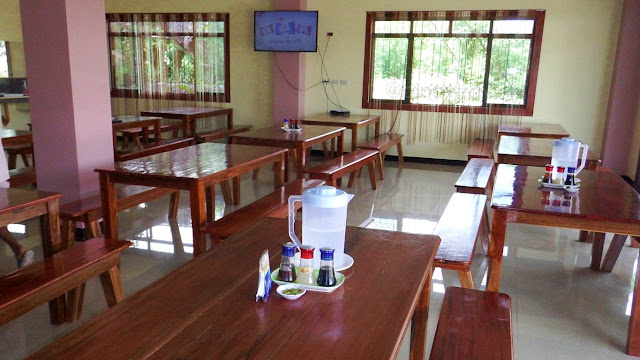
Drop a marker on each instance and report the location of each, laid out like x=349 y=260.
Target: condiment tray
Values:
x=325 y=289
x=291 y=130
x=569 y=188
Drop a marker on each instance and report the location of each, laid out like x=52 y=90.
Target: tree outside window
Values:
x=457 y=61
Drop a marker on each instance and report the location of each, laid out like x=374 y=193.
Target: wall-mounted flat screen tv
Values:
x=293 y=31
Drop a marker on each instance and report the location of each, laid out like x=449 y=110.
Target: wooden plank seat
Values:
x=473 y=325
x=88 y=210
x=66 y=271
x=22 y=150
x=477 y=178
x=458 y=229
x=481 y=148
x=207 y=136
x=22 y=176
x=272 y=205
x=383 y=143
x=152 y=148
x=331 y=171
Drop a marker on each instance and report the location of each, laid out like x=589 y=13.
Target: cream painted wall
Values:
x=251 y=71
x=10 y=24
x=576 y=63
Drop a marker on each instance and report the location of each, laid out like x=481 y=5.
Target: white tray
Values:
x=325 y=289
x=570 y=188
x=291 y=130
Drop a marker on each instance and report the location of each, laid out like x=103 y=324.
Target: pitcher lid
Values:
x=325 y=197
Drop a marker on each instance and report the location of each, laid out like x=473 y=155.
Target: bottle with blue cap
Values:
x=287 y=271
x=326 y=274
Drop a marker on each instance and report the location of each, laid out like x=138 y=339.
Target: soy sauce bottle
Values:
x=287 y=271
x=326 y=275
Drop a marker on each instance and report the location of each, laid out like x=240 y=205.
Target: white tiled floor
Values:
x=561 y=309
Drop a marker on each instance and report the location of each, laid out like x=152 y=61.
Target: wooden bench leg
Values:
x=614 y=251
x=67 y=232
x=75 y=299
x=352 y=177
x=584 y=237
x=210 y=194
x=93 y=229
x=25 y=159
x=380 y=166
x=325 y=149
x=466 y=281
x=485 y=231
x=12 y=161
x=635 y=242
x=256 y=172
x=236 y=190
x=174 y=204
x=112 y=286
x=226 y=192
x=400 y=154
x=596 y=250
x=372 y=175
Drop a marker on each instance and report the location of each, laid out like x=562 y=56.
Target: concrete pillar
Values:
x=66 y=54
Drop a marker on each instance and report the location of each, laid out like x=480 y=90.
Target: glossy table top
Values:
x=537 y=149
x=12 y=199
x=549 y=131
x=132 y=118
x=338 y=120
x=603 y=195
x=207 y=310
x=193 y=162
x=308 y=133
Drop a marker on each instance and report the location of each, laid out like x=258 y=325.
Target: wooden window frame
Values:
x=166 y=17
x=498 y=109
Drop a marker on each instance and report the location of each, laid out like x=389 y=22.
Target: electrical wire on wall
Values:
x=325 y=80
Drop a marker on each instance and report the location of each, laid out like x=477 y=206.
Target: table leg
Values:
x=418 y=340
x=354 y=138
x=51 y=244
x=614 y=251
x=340 y=152
x=633 y=336
x=109 y=206
x=496 y=246
x=186 y=127
x=5 y=116
x=198 y=216
x=377 y=128
x=230 y=119
x=236 y=190
x=279 y=170
x=301 y=161
x=596 y=250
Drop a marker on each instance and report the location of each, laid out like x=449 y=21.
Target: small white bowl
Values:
x=282 y=288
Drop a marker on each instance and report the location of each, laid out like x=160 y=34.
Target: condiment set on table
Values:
x=321 y=253
x=561 y=173
x=291 y=125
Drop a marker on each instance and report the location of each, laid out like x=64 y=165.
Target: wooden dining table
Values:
x=296 y=141
x=18 y=205
x=604 y=203
x=193 y=168
x=189 y=115
x=145 y=123
x=520 y=150
x=207 y=308
x=12 y=137
x=545 y=131
x=351 y=122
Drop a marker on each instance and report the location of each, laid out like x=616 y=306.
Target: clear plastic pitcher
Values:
x=324 y=220
x=566 y=152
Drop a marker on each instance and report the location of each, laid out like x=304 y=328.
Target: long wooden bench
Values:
x=22 y=176
x=331 y=171
x=383 y=143
x=477 y=178
x=89 y=210
x=138 y=133
x=66 y=271
x=208 y=136
x=473 y=325
x=458 y=229
x=152 y=148
x=481 y=148
x=272 y=205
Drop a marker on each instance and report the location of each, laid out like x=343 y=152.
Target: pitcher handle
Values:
x=583 y=161
x=292 y=219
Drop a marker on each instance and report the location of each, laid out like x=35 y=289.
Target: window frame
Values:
x=497 y=109
x=166 y=17
x=8 y=55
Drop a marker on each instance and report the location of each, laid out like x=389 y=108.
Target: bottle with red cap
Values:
x=305 y=271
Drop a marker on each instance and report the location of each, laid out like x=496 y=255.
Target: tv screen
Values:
x=295 y=31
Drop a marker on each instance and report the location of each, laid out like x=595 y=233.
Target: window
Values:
x=454 y=61
x=4 y=59
x=170 y=56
